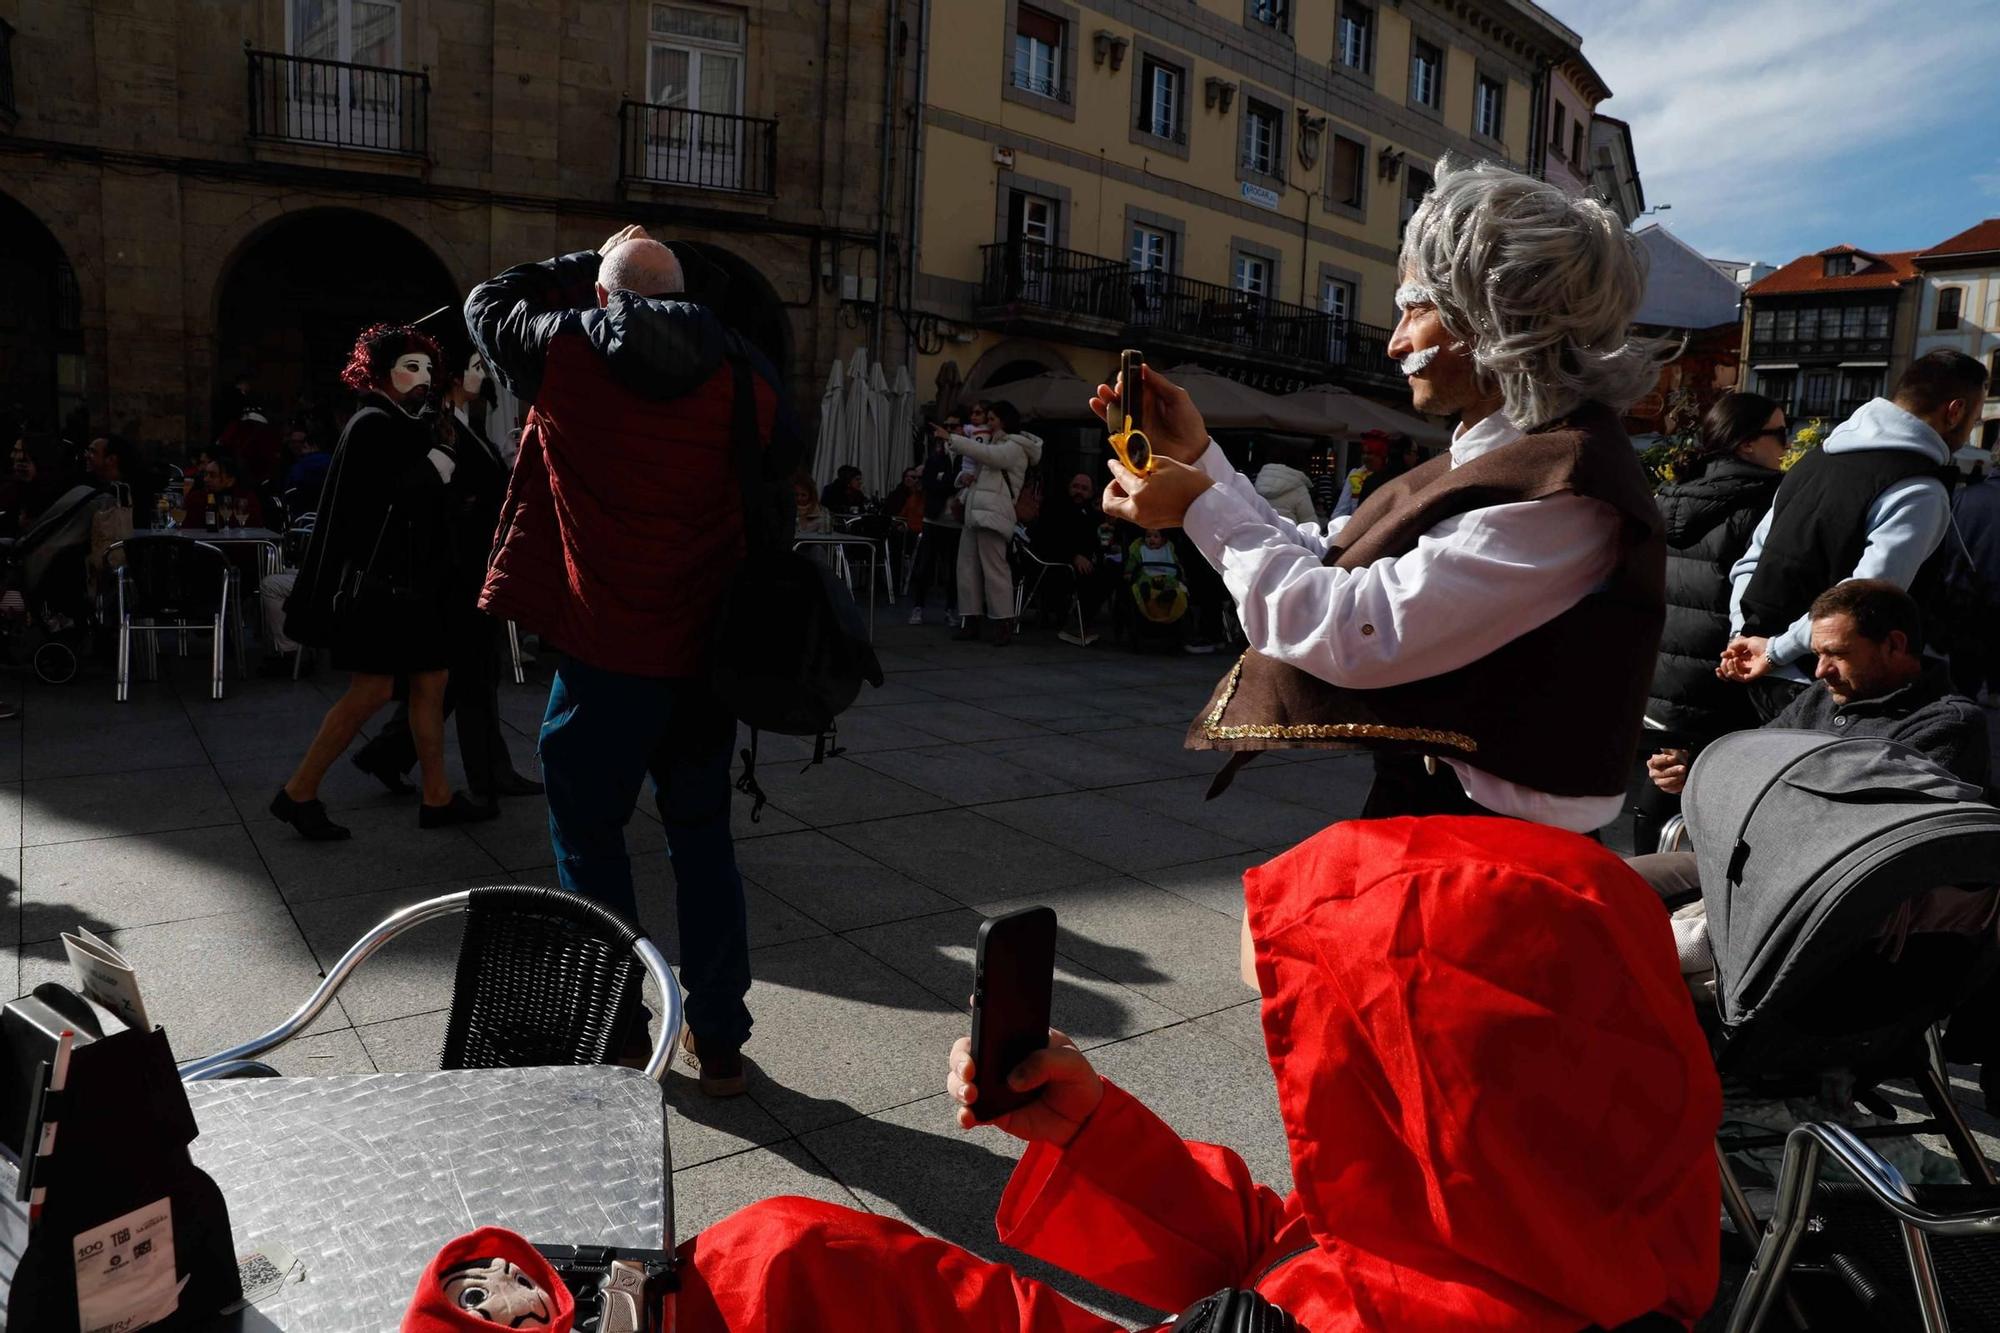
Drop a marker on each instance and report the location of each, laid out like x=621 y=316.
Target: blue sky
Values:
x=1779 y=127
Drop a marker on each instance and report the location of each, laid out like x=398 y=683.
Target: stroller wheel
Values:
x=56 y=663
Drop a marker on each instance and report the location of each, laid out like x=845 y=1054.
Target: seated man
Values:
x=219 y=479
x=1488 y=1129
x=1871 y=680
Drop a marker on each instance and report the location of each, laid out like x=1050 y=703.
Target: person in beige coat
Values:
x=985 y=583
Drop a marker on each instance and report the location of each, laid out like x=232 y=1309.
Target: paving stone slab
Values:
x=1337 y=788
x=74 y=748
x=1165 y=747
x=387 y=851
x=712 y=1191
x=1215 y=884
x=1209 y=1090
x=965 y=855
x=141 y=880
x=405 y=1045
x=955 y=721
x=937 y=951
x=833 y=884
x=1151 y=941
x=915 y=1164
x=252 y=783
x=1081 y=757
x=320 y=1055
x=819 y=1054
x=409 y=975
x=702 y=1128
x=841 y=791
x=1241 y=1026
x=212 y=982
x=1261 y=820
x=1111 y=832
x=12 y=808
x=772 y=920
x=965 y=776
x=110 y=804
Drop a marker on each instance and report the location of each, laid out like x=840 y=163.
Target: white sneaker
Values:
x=916 y=615
x=1080 y=640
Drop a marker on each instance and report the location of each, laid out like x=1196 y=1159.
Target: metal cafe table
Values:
x=265 y=540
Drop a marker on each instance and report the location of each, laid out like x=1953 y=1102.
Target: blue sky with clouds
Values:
x=1780 y=127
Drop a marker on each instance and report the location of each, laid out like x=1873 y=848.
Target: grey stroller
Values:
x=47 y=618
x=1851 y=891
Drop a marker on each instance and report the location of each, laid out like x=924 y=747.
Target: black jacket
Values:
x=1946 y=728
x=1709 y=521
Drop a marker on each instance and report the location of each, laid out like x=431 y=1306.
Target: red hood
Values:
x=431 y=1312
x=1497 y=1096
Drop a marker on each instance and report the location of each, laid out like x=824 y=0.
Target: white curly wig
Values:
x=1543 y=286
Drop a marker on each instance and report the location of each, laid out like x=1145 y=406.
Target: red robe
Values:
x=1499 y=1106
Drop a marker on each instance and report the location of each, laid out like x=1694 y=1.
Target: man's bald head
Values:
x=641 y=266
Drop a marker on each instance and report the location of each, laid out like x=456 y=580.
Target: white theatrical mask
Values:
x=474 y=378
x=499 y=1293
x=410 y=377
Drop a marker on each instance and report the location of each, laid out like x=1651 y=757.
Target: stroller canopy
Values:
x=1808 y=842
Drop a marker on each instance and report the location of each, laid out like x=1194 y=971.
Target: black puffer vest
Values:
x=1709 y=522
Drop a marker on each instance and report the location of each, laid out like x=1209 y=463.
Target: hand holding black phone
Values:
x=1013 y=981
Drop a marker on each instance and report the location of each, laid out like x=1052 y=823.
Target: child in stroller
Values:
x=1158 y=590
x=47 y=617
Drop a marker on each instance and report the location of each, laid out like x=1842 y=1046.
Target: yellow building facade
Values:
x=1221 y=181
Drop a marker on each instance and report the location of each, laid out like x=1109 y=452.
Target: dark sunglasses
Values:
x=1779 y=433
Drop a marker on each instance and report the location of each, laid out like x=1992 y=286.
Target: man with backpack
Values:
x=612 y=544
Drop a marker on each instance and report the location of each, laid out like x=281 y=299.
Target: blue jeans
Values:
x=604 y=733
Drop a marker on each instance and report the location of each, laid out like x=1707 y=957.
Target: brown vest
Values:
x=1559 y=708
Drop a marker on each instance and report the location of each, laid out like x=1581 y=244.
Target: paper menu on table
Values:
x=107 y=978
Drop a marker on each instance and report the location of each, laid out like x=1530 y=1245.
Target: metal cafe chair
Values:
x=544 y=977
x=170 y=584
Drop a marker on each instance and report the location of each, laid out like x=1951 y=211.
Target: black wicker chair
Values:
x=1926 y=1257
x=544 y=977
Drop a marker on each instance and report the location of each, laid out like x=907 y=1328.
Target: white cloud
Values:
x=1769 y=125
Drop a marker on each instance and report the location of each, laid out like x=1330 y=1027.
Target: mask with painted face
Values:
x=474 y=378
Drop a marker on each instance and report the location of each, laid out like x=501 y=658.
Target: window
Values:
x=1857 y=387
x=1760 y=326
x=1426 y=73
x=1838 y=266
x=347 y=106
x=1336 y=300
x=1561 y=123
x=1253 y=274
x=1032 y=230
x=1576 y=144
x=1778 y=386
x=1031 y=217
x=1272 y=14
x=1262 y=151
x=1152 y=250
x=1488 y=101
x=1038 y=54
x=1809 y=324
x=1160 y=99
x=1355 y=40
x=694 y=66
x=1949 y=299
x=1819 y=387
x=1416 y=184
x=1788 y=323
x=1852 y=322
x=1347 y=173
x=1878 y=321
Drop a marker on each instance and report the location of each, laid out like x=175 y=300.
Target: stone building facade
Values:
x=231 y=187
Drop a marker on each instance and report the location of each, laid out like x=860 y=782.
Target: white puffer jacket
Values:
x=1289 y=491
x=1003 y=467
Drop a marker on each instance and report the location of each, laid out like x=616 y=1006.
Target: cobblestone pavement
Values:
x=977 y=780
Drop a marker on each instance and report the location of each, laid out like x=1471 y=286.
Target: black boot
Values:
x=1003 y=632
x=968 y=629
x=308 y=817
x=510 y=783
x=461 y=809
x=386 y=774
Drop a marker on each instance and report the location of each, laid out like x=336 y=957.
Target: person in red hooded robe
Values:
x=1499 y=1105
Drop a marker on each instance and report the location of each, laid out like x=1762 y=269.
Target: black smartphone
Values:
x=1013 y=977
x=1131 y=387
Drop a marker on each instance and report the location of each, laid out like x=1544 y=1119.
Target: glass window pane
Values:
x=668 y=76
x=1852 y=320
x=718 y=82
x=378 y=33
x=1878 y=321
x=315 y=29
x=701 y=24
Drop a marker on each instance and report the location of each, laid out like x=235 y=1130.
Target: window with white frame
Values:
x=1272 y=14
x=1355 y=40
x=1152 y=249
x=1038 y=53
x=1336 y=300
x=342 y=105
x=1426 y=73
x=1489 y=102
x=694 y=79
x=1262 y=152
x=1253 y=274
x=1160 y=99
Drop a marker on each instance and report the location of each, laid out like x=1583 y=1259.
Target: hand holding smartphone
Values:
x=1013 y=980
x=1128 y=435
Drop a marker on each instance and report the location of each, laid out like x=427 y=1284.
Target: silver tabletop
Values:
x=366 y=1176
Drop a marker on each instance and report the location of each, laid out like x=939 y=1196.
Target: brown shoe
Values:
x=720 y=1067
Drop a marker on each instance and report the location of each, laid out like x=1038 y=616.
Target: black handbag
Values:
x=1234 y=1310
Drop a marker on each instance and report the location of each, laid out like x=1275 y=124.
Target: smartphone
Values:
x=1129 y=439
x=1013 y=978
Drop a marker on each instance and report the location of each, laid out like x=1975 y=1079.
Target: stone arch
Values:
x=1003 y=362
x=300 y=285
x=44 y=380
x=745 y=300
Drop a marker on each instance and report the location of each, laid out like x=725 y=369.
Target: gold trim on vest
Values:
x=1322 y=731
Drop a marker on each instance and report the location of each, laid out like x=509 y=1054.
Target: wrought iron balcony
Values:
x=703 y=150
x=1041 y=85
x=333 y=104
x=1088 y=297
x=6 y=68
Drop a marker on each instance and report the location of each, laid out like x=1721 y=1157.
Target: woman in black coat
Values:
x=1724 y=489
x=376 y=582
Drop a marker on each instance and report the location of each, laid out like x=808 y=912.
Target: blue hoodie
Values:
x=1905 y=524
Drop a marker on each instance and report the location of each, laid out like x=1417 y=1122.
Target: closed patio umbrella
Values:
x=827 y=454
x=900 y=418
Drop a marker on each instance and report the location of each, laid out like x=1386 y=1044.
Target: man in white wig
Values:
x=1486 y=622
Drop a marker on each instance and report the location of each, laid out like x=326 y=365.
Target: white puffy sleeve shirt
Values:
x=1472 y=583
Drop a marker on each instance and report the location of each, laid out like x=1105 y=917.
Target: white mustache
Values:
x=1415 y=362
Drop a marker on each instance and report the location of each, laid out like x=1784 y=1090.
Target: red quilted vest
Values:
x=623 y=521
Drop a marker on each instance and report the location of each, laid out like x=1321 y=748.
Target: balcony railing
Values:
x=7 y=67
x=704 y=150
x=1030 y=279
x=1041 y=85
x=303 y=99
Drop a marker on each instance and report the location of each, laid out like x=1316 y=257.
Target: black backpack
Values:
x=791 y=651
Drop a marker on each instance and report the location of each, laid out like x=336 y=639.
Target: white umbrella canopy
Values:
x=1341 y=412
x=831 y=400
x=856 y=416
x=1049 y=396
x=901 y=416
x=877 y=456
